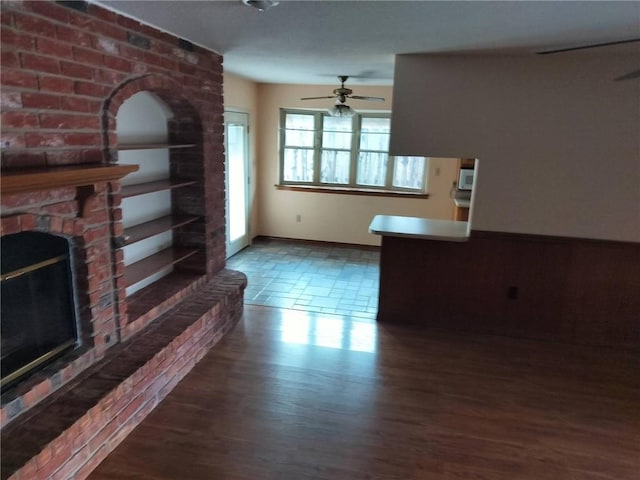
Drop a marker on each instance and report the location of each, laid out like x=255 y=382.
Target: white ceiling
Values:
x=311 y=42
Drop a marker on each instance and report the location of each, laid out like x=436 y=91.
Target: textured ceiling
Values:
x=311 y=42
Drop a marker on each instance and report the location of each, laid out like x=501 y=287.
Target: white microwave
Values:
x=465 y=179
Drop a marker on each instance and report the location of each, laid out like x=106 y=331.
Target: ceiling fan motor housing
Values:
x=342 y=93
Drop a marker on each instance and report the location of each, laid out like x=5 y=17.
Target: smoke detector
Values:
x=261 y=5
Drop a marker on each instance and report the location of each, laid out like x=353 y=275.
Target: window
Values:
x=324 y=151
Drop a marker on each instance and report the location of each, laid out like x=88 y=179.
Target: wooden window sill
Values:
x=352 y=191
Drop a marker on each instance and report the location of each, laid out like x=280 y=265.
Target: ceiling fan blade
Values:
x=343 y=93
x=318 y=98
x=593 y=45
x=629 y=76
x=370 y=99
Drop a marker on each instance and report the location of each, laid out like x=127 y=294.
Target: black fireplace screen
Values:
x=37 y=315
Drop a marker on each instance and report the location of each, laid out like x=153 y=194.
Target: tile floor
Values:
x=340 y=280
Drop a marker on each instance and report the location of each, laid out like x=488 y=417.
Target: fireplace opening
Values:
x=38 y=318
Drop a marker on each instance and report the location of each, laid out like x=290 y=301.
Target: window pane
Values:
x=299 y=130
x=298 y=165
x=408 y=172
x=372 y=168
x=337 y=124
x=374 y=141
x=336 y=140
x=299 y=121
x=375 y=125
x=374 y=134
x=336 y=132
x=335 y=167
x=298 y=138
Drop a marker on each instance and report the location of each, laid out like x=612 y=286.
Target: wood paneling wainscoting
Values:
x=554 y=288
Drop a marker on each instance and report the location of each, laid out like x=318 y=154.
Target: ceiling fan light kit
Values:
x=341 y=110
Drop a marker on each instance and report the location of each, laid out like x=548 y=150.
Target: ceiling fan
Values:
x=341 y=109
x=628 y=76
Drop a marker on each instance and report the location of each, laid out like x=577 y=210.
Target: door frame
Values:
x=230 y=112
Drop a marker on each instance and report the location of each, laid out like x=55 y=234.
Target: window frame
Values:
x=352 y=186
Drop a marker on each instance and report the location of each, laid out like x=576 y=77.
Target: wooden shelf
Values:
x=31 y=180
x=153 y=146
x=154 y=263
x=142 y=188
x=154 y=227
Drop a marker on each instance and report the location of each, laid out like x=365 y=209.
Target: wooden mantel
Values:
x=32 y=180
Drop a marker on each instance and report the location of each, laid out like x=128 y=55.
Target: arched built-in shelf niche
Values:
x=147 y=214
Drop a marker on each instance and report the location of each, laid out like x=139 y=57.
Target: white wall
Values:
x=558 y=140
x=330 y=217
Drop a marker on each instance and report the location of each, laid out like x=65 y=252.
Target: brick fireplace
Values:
x=67 y=68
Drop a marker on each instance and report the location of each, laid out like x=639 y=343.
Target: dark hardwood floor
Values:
x=297 y=395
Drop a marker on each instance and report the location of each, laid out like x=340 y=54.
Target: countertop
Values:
x=422 y=228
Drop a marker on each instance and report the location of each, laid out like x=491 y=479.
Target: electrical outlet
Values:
x=436 y=171
x=298 y=218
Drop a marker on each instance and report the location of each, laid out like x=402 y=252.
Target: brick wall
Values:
x=65 y=72
x=66 y=69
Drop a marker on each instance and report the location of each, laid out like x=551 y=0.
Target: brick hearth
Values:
x=71 y=432
x=67 y=67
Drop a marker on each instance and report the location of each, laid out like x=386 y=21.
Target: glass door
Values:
x=236 y=130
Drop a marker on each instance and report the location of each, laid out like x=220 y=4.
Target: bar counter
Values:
x=414 y=254
x=421 y=228
x=442 y=274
